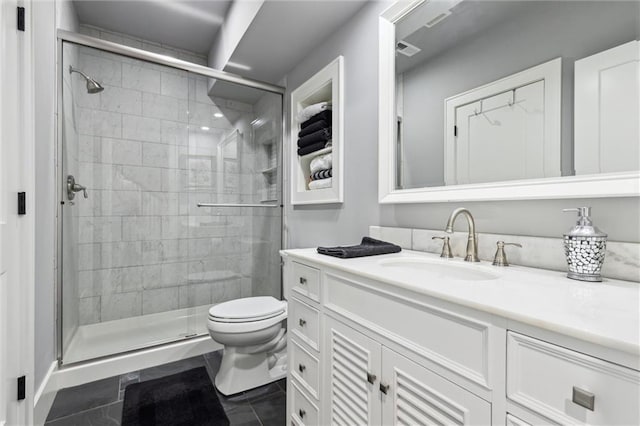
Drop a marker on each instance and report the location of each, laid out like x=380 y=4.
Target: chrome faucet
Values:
x=472 y=243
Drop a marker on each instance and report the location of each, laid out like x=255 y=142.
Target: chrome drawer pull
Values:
x=302 y=322
x=583 y=398
x=301 y=367
x=384 y=388
x=303 y=280
x=371 y=378
x=302 y=413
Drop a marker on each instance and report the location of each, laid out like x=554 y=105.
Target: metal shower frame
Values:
x=156 y=58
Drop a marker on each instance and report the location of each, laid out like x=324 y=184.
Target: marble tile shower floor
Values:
x=100 y=402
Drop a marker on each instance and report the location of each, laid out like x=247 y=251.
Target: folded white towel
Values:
x=321 y=162
x=312 y=110
x=320 y=184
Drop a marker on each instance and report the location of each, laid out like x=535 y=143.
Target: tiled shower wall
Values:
x=150 y=148
x=267 y=223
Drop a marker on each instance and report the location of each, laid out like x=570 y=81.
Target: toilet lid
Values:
x=247 y=309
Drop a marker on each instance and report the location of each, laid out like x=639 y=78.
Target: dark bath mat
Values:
x=183 y=399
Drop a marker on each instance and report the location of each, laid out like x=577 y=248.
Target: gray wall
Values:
x=44 y=65
x=346 y=223
x=541 y=31
x=321 y=225
x=45 y=16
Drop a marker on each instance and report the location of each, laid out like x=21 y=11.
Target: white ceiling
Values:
x=190 y=25
x=282 y=34
x=285 y=31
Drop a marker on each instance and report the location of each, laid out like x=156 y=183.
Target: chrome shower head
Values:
x=92 y=85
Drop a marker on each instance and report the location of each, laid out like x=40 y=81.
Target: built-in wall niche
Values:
x=265 y=136
x=325 y=86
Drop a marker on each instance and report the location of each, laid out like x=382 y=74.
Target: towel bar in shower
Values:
x=236 y=205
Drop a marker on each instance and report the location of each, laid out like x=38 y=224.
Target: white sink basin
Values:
x=442 y=269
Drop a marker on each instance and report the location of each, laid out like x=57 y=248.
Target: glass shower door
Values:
x=124 y=245
x=140 y=262
x=232 y=170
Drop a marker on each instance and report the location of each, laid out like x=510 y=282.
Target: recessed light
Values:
x=205 y=128
x=218 y=115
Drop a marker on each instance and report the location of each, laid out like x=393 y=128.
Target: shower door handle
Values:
x=73 y=187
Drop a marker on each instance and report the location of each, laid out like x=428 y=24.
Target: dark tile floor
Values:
x=100 y=402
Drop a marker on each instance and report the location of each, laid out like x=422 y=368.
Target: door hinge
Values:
x=455 y=130
x=20 y=18
x=22 y=203
x=22 y=388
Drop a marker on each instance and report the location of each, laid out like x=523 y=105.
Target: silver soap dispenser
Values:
x=584 y=246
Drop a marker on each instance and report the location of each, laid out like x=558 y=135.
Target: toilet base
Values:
x=240 y=371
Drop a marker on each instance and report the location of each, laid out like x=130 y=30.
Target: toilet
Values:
x=254 y=339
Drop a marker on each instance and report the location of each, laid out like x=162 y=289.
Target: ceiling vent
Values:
x=406 y=48
x=437 y=19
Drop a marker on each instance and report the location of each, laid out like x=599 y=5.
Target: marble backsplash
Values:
x=621 y=262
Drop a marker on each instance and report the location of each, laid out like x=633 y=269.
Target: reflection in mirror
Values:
x=485 y=91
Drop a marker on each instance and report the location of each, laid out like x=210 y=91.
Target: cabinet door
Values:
x=417 y=396
x=353 y=361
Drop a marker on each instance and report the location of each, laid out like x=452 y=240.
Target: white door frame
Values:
x=16 y=232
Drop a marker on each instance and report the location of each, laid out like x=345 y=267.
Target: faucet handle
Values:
x=446 y=247
x=500 y=259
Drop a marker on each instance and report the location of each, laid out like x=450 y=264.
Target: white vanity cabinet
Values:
x=366 y=350
x=368 y=383
x=569 y=387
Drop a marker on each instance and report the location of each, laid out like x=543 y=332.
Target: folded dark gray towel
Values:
x=321 y=135
x=324 y=115
x=321 y=174
x=368 y=247
x=311 y=148
x=314 y=127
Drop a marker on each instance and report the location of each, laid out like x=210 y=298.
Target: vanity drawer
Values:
x=306 y=281
x=304 y=322
x=454 y=341
x=304 y=367
x=570 y=387
x=303 y=411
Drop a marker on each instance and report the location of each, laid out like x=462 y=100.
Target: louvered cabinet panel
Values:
x=416 y=395
x=352 y=360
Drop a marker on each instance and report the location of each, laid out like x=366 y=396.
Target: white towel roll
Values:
x=312 y=110
x=321 y=162
x=320 y=184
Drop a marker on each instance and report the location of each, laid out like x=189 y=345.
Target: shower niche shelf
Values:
x=325 y=86
x=265 y=135
x=265 y=131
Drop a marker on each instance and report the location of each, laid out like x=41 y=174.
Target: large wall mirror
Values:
x=483 y=100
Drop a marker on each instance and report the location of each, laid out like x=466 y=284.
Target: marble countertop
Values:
x=606 y=313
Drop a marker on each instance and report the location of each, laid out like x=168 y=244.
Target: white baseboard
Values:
x=44 y=396
x=78 y=374
x=63 y=377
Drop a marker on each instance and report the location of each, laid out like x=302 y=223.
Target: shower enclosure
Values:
x=170 y=196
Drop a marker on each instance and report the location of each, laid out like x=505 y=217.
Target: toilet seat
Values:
x=247 y=326
x=248 y=309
